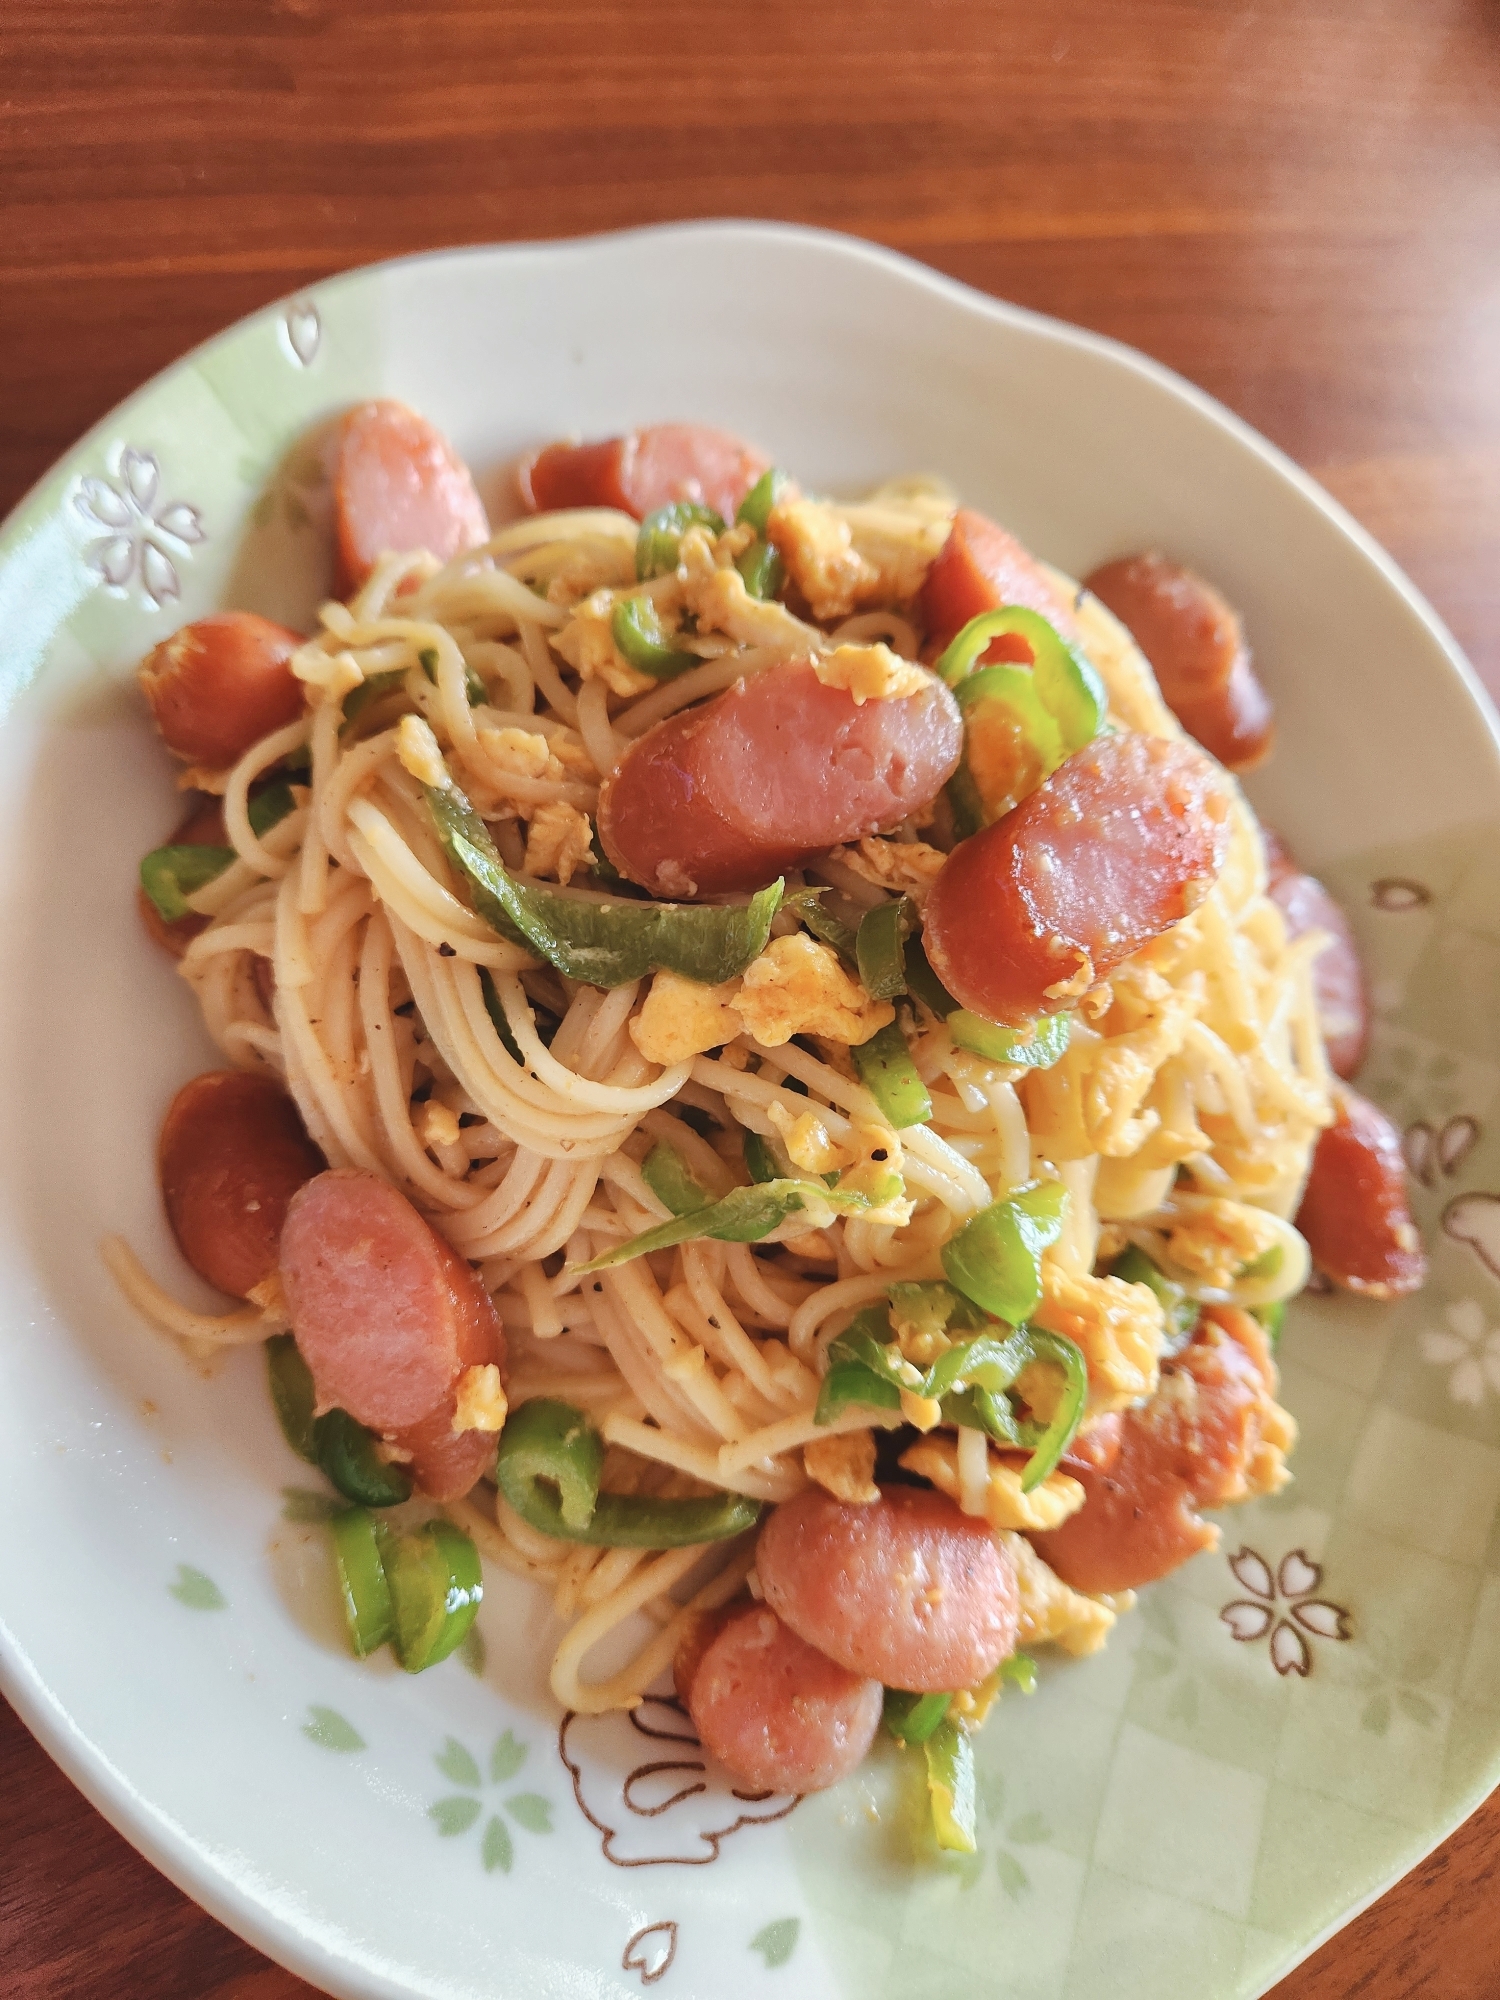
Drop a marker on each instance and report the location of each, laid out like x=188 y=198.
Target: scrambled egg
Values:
x=871 y=673
x=481 y=1404
x=417 y=748
x=436 y=1123
x=844 y=1466
x=799 y=987
x=817 y=546
x=1119 y=1326
x=1216 y=1239
x=1050 y=1608
x=558 y=841
x=1159 y=1016
x=717 y=596
x=682 y=1018
x=587 y=644
x=909 y=867
x=1006 y=1506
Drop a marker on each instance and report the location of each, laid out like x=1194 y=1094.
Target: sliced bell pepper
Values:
x=911 y=1718
x=656 y=545
x=762 y=568
x=744 y=1215
x=169 y=875
x=923 y=983
x=996 y=1258
x=672 y=1180
x=887 y=1071
x=879 y=948
x=474 y=687
x=363 y=1586
x=1179 y=1312
x=636 y=629
x=756 y=506
x=436 y=1589
x=950 y=1785
x=342 y=1449
x=601 y=942
x=1037 y=1047
x=550 y=1461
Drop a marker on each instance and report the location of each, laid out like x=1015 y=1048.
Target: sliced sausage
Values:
x=386 y=1315
x=399 y=485
x=1338 y=976
x=906 y=1589
x=231 y=1156
x=220 y=684
x=769 y=774
x=1097 y=1445
x=1196 y=645
x=444 y=1462
x=644 y=470
x=1354 y=1212
x=776 y=1711
x=1186 y=1448
x=203 y=827
x=1120 y=843
x=980 y=567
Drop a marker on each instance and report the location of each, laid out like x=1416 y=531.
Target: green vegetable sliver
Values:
x=363 y=1587
x=1054 y=1347
x=756 y=506
x=950 y=1786
x=656 y=545
x=879 y=949
x=996 y=1258
x=292 y=1395
x=912 y=1718
x=1037 y=1047
x=887 y=1071
x=548 y=1469
x=436 y=1590
x=169 y=875
x=923 y=983
x=672 y=1180
x=348 y=1458
x=744 y=1215
x=602 y=941
x=1179 y=1312
x=636 y=629
x=269 y=806
x=762 y=568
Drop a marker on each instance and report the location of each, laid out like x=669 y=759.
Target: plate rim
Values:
x=161 y=1840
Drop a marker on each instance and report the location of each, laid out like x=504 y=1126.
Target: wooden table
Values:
x=1298 y=205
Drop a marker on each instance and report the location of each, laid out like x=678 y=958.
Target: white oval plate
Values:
x=1266 y=1744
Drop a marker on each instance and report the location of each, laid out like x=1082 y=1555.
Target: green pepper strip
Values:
x=911 y=1718
x=604 y=941
x=996 y=1258
x=1059 y=1434
x=656 y=546
x=761 y=1163
x=1037 y=1047
x=762 y=497
x=169 y=875
x=1272 y=1318
x=879 y=949
x=474 y=687
x=363 y=1586
x=549 y=1465
x=744 y=1215
x=673 y=1181
x=342 y=1449
x=762 y=568
x=950 y=1785
x=636 y=629
x=358 y=699
x=887 y=1071
x=1179 y=1312
x=1016 y=690
x=269 y=806
x=1070 y=690
x=808 y=904
x=436 y=1588
x=923 y=983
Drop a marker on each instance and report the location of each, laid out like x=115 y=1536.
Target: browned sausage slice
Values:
x=1338 y=976
x=232 y=1154
x=906 y=1589
x=1196 y=645
x=220 y=684
x=379 y=1303
x=1354 y=1212
x=644 y=470
x=980 y=567
x=1119 y=844
x=781 y=1715
x=768 y=775
x=399 y=485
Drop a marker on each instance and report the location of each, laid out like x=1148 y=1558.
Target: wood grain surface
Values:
x=1297 y=204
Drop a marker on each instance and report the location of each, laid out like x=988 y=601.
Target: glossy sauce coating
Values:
x=980 y=567
x=231 y=1156
x=776 y=770
x=1119 y=844
x=1338 y=976
x=1196 y=645
x=644 y=470
x=220 y=684
x=1354 y=1213
x=203 y=827
x=385 y=1313
x=906 y=1589
x=1184 y=1449
x=780 y=1714
x=399 y=485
